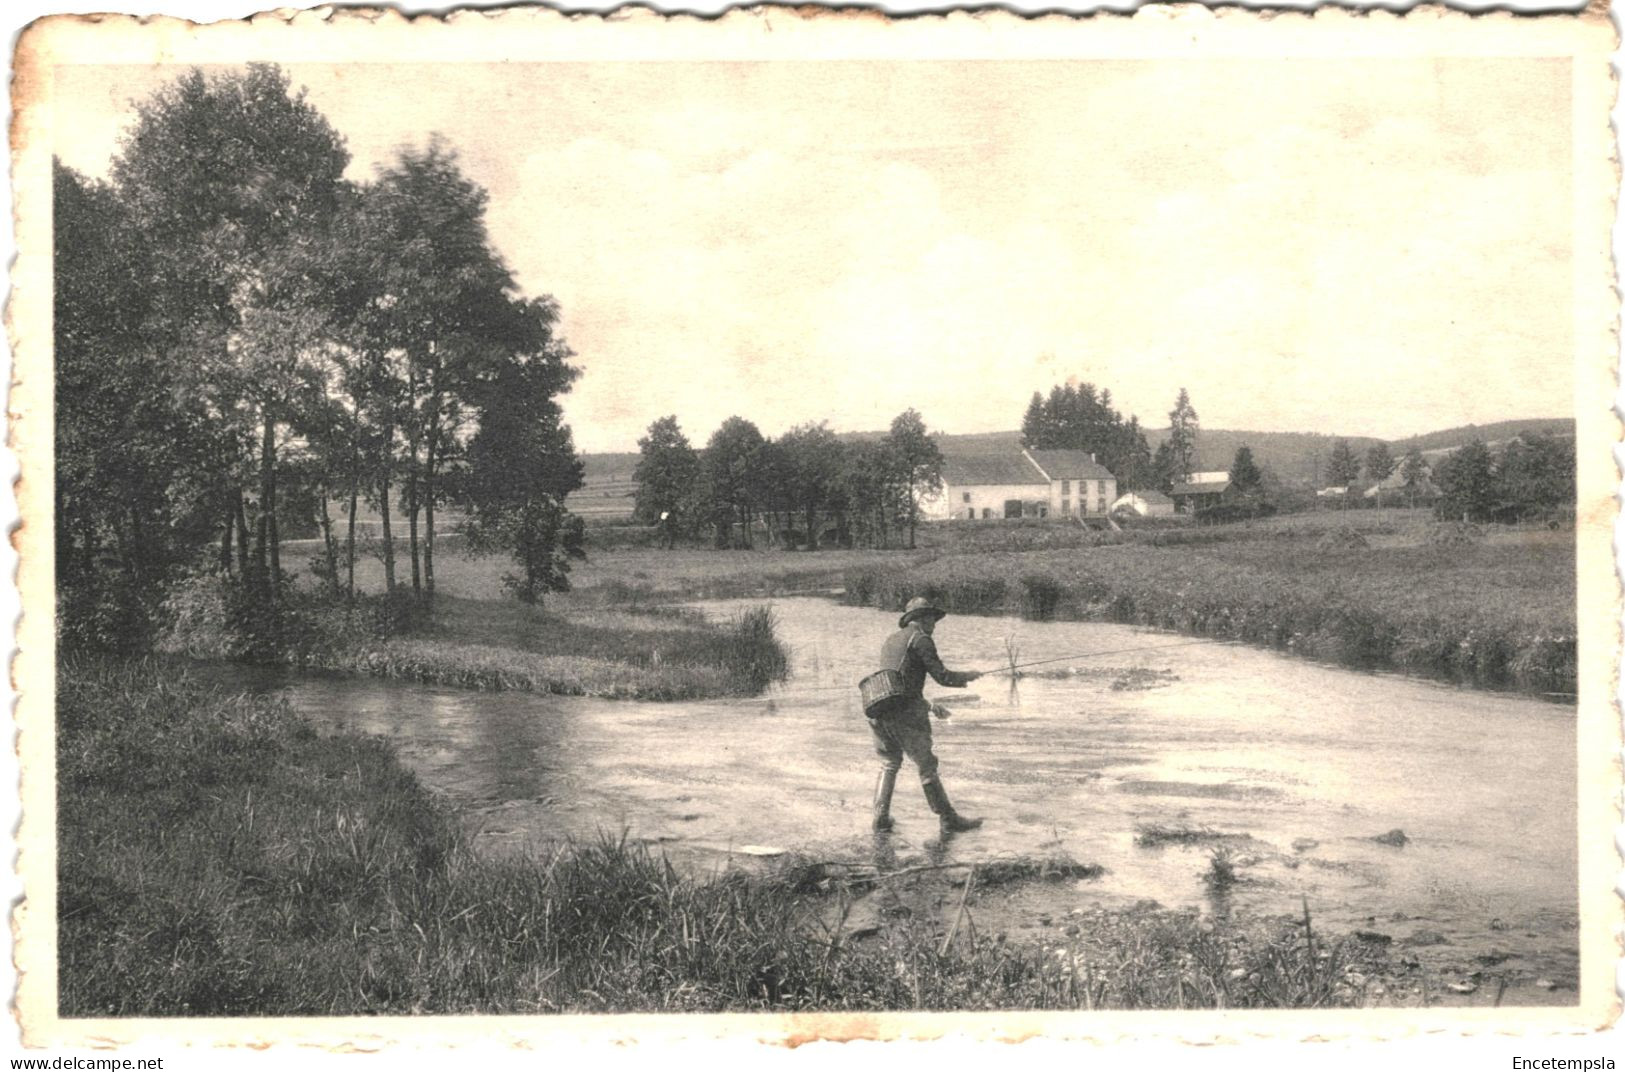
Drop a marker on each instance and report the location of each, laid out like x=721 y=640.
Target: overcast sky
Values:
x=1357 y=247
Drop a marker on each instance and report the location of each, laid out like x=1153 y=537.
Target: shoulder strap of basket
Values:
x=902 y=660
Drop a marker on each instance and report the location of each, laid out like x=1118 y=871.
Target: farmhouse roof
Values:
x=1008 y=468
x=1149 y=496
x=1206 y=487
x=1069 y=465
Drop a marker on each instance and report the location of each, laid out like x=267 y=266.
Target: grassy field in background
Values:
x=1494 y=609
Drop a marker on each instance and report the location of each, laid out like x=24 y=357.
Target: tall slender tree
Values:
x=1183 y=428
x=449 y=305
x=918 y=464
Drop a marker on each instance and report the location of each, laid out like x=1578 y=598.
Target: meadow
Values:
x=1369 y=589
x=218 y=858
x=1492 y=609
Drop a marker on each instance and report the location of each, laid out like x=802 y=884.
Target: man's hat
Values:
x=918 y=607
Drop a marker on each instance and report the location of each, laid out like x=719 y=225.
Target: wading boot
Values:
x=951 y=821
x=883 y=787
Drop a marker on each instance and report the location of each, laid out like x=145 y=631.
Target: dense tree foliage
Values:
x=1531 y=476
x=733 y=480
x=1344 y=467
x=1244 y=472
x=668 y=470
x=244 y=337
x=1080 y=417
x=1467 y=483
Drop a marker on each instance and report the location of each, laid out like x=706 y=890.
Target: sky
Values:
x=1356 y=247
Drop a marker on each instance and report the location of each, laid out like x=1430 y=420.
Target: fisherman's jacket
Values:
x=914 y=654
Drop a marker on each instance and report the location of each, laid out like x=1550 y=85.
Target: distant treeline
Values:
x=243 y=336
x=806 y=487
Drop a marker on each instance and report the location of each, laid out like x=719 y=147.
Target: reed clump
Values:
x=217 y=858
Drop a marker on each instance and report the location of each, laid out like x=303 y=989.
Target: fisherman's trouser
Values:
x=906 y=733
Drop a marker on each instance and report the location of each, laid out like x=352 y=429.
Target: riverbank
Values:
x=1366 y=589
x=1492 y=612
x=217 y=857
x=640 y=653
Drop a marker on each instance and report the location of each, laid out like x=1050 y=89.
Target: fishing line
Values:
x=1002 y=670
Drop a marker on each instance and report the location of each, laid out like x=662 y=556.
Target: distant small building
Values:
x=1194 y=496
x=1146 y=503
x=1212 y=476
x=1336 y=493
x=1394 y=488
x=1032 y=483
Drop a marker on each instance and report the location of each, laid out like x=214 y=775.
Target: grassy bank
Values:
x=1494 y=612
x=632 y=652
x=217 y=858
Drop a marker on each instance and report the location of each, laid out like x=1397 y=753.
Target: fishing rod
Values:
x=1092 y=654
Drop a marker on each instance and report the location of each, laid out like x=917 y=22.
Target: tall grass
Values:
x=217 y=858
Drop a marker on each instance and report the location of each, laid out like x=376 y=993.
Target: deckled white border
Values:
x=1233 y=32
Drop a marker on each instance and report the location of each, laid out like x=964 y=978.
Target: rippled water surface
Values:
x=1304 y=763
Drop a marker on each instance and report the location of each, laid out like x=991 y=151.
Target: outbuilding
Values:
x=1146 y=503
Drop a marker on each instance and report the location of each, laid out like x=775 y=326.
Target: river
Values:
x=1303 y=763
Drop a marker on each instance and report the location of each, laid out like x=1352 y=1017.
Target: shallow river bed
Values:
x=1302 y=764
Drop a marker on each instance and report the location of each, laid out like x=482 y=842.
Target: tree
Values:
x=730 y=465
x=1080 y=417
x=1413 y=471
x=136 y=488
x=1535 y=475
x=917 y=464
x=1379 y=466
x=231 y=184
x=522 y=462
x=1035 y=423
x=447 y=310
x=1344 y=467
x=1244 y=474
x=867 y=491
x=1466 y=482
x=1183 y=427
x=1165 y=472
x=1131 y=459
x=668 y=469
x=812 y=458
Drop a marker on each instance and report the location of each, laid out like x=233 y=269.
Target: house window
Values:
x=1066 y=487
x=965 y=497
x=1066 y=507
x=987 y=512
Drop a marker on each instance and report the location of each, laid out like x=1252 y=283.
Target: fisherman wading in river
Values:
x=899 y=715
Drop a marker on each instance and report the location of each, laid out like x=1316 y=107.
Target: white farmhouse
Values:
x=1032 y=483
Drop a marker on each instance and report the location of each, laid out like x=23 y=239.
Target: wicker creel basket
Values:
x=880 y=691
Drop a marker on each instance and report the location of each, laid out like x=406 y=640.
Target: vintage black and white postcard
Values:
x=811 y=525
